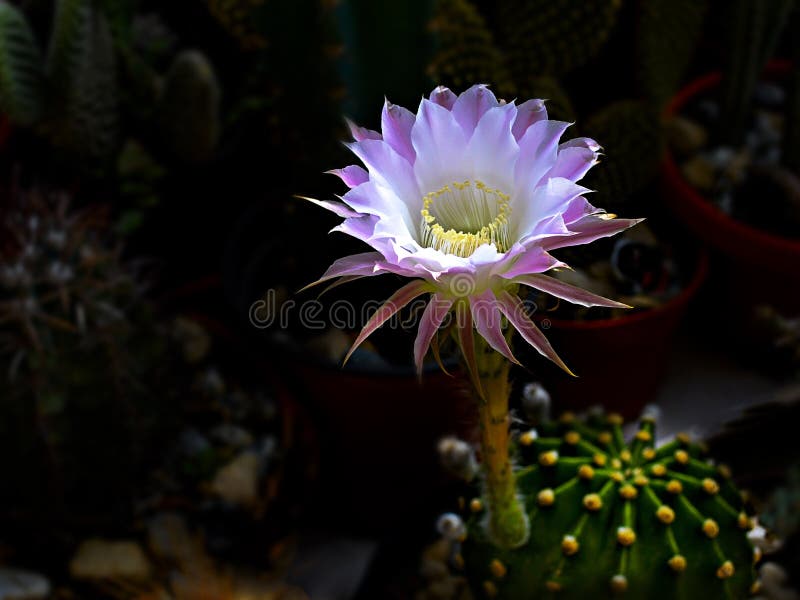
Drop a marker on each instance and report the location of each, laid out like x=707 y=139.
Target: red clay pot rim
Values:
x=700 y=202
x=672 y=305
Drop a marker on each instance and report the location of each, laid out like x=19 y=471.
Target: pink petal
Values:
x=573 y=163
x=387 y=167
x=529 y=260
x=442 y=96
x=538 y=150
x=492 y=148
x=337 y=208
x=396 y=124
x=353 y=176
x=338 y=282
x=432 y=318
x=488 y=321
x=589 y=229
x=364 y=264
x=362 y=133
x=471 y=105
x=466 y=341
x=514 y=310
x=396 y=302
x=551 y=198
x=528 y=113
x=567 y=292
x=439 y=143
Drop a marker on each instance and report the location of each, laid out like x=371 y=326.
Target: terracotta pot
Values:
x=755 y=266
x=620 y=362
x=378 y=434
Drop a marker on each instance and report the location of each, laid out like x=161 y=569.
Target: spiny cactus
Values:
x=667 y=33
x=188 y=109
x=21 y=71
x=612 y=517
x=754 y=31
x=553 y=37
x=632 y=139
x=80 y=348
x=236 y=16
x=466 y=50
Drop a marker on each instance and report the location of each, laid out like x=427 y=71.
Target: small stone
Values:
x=168 y=538
x=16 y=584
x=192 y=443
x=457 y=457
x=769 y=95
x=194 y=340
x=685 y=136
x=330 y=346
x=433 y=569
x=237 y=482
x=700 y=173
x=536 y=402
x=104 y=559
x=232 y=435
x=451 y=527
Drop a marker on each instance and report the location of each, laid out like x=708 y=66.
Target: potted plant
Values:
x=569 y=507
x=571 y=55
x=731 y=171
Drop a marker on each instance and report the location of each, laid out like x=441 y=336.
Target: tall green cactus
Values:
x=188 y=112
x=611 y=517
x=466 y=52
x=21 y=72
x=667 y=33
x=754 y=30
x=92 y=96
x=553 y=37
x=633 y=142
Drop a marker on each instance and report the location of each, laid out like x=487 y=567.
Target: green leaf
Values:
x=21 y=68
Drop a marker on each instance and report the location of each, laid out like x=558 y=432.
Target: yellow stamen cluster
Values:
x=549 y=458
x=710 y=528
x=677 y=563
x=626 y=536
x=460 y=217
x=546 y=497
x=593 y=502
x=569 y=545
x=710 y=486
x=726 y=570
x=498 y=569
x=665 y=514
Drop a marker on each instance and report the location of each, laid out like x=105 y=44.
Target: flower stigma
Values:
x=460 y=217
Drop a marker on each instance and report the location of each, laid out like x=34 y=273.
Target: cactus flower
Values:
x=467 y=198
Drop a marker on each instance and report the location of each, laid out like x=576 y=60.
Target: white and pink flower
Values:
x=467 y=198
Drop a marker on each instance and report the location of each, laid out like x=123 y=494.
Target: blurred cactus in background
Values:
x=189 y=107
x=754 y=30
x=236 y=17
x=80 y=352
x=553 y=37
x=21 y=68
x=532 y=49
x=667 y=35
x=73 y=93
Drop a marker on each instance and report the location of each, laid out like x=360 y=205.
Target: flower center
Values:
x=460 y=217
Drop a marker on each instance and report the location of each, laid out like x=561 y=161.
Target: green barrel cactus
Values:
x=611 y=517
